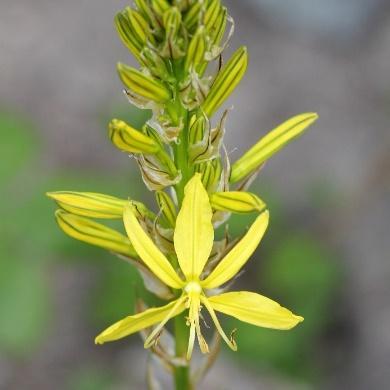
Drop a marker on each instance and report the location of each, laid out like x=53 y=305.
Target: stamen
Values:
x=230 y=342
x=157 y=331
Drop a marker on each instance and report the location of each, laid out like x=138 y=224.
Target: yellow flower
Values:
x=193 y=239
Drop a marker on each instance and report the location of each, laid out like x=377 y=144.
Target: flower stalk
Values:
x=184 y=80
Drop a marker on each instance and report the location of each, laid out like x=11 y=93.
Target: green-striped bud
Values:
x=270 y=144
x=192 y=17
x=133 y=29
x=211 y=174
x=91 y=232
x=173 y=44
x=209 y=146
x=160 y=6
x=183 y=5
x=196 y=50
x=237 y=202
x=167 y=207
x=143 y=85
x=212 y=13
x=127 y=139
x=217 y=30
x=198 y=128
x=158 y=172
x=94 y=205
x=227 y=79
x=172 y=21
x=147 y=12
x=156 y=64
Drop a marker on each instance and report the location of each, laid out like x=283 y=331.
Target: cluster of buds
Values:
x=184 y=79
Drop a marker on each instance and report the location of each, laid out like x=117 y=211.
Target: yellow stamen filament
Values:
x=157 y=331
x=229 y=341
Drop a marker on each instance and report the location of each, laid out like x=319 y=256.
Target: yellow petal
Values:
x=255 y=309
x=148 y=251
x=94 y=233
x=231 y=264
x=194 y=233
x=138 y=322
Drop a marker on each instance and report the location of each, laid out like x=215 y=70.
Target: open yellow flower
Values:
x=193 y=239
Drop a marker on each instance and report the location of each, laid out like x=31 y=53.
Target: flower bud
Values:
x=147 y=12
x=167 y=207
x=156 y=174
x=155 y=63
x=133 y=29
x=237 y=202
x=94 y=205
x=196 y=50
x=270 y=144
x=209 y=146
x=172 y=21
x=160 y=6
x=217 y=30
x=127 y=139
x=227 y=79
x=198 y=128
x=192 y=17
x=143 y=85
x=91 y=232
x=173 y=44
x=211 y=14
x=211 y=174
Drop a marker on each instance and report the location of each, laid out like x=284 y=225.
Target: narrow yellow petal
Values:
x=133 y=324
x=255 y=309
x=148 y=251
x=175 y=310
x=231 y=264
x=194 y=233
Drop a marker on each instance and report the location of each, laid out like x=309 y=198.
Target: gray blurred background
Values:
x=327 y=253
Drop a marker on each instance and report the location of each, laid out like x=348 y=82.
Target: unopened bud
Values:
x=270 y=144
x=237 y=202
x=167 y=207
x=127 y=139
x=226 y=81
x=94 y=233
x=143 y=85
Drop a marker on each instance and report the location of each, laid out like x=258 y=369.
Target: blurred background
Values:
x=326 y=254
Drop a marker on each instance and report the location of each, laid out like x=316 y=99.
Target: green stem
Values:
x=182 y=373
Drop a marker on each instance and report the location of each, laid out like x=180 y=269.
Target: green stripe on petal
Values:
x=255 y=309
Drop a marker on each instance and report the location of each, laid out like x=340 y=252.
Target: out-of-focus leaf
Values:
x=90 y=379
x=17 y=146
x=24 y=302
